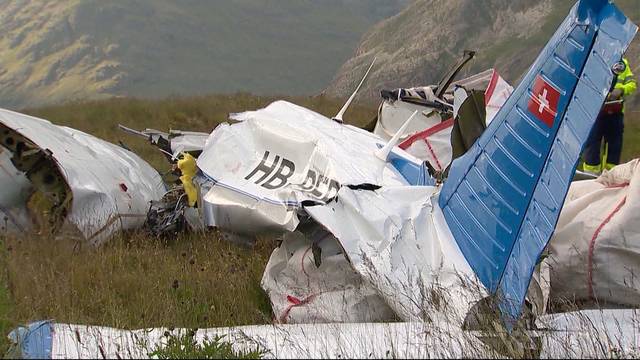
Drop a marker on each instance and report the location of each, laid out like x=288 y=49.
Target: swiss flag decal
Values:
x=544 y=101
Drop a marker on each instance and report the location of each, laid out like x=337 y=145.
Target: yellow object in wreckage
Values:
x=188 y=168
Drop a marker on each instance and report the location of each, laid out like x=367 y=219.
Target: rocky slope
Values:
x=416 y=46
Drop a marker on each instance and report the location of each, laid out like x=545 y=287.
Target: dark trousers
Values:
x=610 y=128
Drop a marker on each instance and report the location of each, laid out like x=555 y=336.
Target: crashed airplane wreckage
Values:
x=376 y=233
x=468 y=207
x=402 y=230
x=60 y=179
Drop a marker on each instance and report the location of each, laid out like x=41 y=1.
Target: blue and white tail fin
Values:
x=502 y=199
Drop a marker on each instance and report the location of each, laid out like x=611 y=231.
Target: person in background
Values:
x=610 y=123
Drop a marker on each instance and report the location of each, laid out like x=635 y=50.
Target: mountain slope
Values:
x=416 y=46
x=51 y=51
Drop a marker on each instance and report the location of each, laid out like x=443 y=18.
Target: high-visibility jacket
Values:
x=626 y=81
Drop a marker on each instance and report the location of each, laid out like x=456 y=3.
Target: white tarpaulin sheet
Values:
x=111 y=187
x=595 y=251
x=496 y=95
x=309 y=280
x=583 y=334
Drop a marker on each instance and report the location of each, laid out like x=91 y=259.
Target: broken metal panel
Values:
x=186 y=141
x=258 y=171
x=94 y=185
x=172 y=143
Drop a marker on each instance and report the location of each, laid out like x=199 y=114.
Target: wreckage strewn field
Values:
x=137 y=281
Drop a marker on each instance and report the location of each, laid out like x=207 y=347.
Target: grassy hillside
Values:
x=52 y=51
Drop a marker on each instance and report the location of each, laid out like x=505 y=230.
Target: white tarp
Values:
x=392 y=114
x=309 y=280
x=260 y=170
x=496 y=95
x=432 y=145
x=595 y=251
x=111 y=187
x=582 y=334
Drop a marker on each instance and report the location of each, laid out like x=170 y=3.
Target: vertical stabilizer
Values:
x=503 y=198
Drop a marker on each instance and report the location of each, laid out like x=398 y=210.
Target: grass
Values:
x=185 y=346
x=631 y=146
x=136 y=282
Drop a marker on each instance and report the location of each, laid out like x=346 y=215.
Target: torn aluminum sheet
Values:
x=581 y=334
x=388 y=248
x=186 y=141
x=174 y=142
x=255 y=174
x=95 y=186
x=397 y=240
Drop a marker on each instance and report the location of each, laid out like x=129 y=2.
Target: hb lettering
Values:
x=272 y=174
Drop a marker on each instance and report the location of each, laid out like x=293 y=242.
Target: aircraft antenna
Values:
x=338 y=117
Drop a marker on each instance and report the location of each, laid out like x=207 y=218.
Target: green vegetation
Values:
x=185 y=346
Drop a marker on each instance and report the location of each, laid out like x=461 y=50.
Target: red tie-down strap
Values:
x=295 y=302
x=424 y=135
x=592 y=245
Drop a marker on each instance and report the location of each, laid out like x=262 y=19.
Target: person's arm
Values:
x=626 y=82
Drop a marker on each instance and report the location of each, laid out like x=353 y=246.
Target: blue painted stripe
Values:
x=34 y=341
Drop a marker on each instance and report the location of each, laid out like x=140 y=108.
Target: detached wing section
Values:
x=503 y=198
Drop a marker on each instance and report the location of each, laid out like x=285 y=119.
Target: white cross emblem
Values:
x=542 y=99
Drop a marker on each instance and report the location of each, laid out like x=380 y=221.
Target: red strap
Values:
x=492 y=87
x=593 y=244
x=425 y=133
x=433 y=154
x=616 y=186
x=295 y=302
